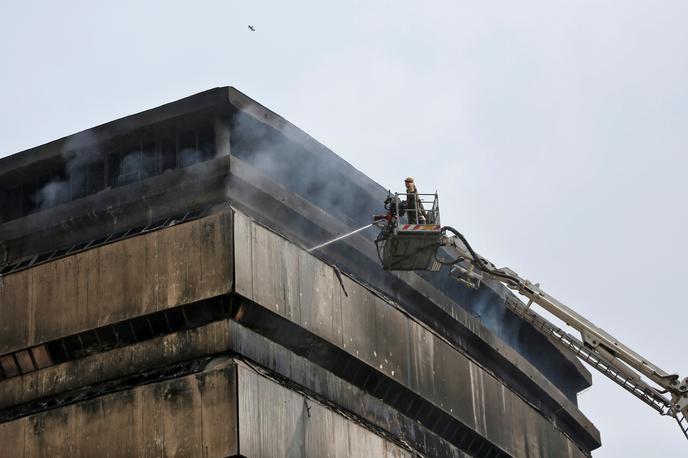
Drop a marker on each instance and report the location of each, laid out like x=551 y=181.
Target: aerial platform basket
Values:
x=412 y=234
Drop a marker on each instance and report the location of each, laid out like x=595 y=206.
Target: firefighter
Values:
x=413 y=205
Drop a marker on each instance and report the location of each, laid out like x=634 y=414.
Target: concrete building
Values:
x=156 y=299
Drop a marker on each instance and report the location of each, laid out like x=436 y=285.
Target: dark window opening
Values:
x=136 y=158
x=86 y=179
x=113 y=161
x=168 y=154
x=79 y=182
x=130 y=166
x=206 y=142
x=149 y=159
x=12 y=204
x=52 y=190
x=188 y=149
x=96 y=177
x=29 y=191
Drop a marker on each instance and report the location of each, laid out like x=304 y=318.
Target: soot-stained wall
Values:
x=276 y=421
x=226 y=410
x=131 y=277
x=292 y=283
x=189 y=416
x=325 y=180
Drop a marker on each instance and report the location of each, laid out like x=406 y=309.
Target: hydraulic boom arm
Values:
x=665 y=392
x=409 y=244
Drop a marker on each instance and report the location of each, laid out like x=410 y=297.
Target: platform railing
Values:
x=425 y=211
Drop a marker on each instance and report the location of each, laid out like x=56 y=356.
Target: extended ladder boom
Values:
x=597 y=348
x=408 y=245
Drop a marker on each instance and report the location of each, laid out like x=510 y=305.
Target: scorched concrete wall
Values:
x=135 y=276
x=294 y=284
x=227 y=410
x=191 y=416
x=278 y=422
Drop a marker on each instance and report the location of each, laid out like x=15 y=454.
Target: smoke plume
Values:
x=78 y=152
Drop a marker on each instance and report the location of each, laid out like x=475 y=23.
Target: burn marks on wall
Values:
x=116 y=335
x=360 y=374
x=128 y=382
x=114 y=237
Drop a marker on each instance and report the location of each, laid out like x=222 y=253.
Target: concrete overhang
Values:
x=207 y=103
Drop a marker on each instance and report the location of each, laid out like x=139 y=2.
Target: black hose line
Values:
x=449 y=263
x=465 y=242
x=479 y=261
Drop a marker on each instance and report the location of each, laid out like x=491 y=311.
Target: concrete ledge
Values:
x=161 y=269
x=194 y=415
x=97 y=375
x=94 y=369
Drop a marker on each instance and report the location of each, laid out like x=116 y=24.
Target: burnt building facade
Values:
x=156 y=298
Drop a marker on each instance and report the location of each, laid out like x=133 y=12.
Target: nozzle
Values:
x=466 y=275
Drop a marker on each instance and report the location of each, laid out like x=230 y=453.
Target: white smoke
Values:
x=318 y=179
x=78 y=152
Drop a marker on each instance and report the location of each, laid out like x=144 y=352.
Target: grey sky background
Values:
x=555 y=131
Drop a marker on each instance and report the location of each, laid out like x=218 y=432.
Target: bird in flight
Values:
x=251 y=28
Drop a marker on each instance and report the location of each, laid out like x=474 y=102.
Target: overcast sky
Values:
x=555 y=131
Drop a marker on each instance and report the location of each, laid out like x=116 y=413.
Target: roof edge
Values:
x=212 y=98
